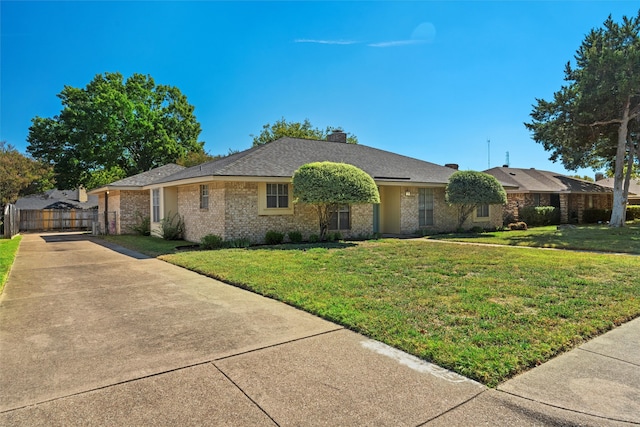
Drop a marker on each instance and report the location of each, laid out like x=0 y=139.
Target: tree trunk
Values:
x=619 y=209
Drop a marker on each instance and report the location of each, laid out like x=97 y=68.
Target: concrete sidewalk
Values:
x=97 y=335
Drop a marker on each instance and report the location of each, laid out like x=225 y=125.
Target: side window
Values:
x=155 y=197
x=277 y=195
x=340 y=218
x=482 y=211
x=204 y=197
x=425 y=207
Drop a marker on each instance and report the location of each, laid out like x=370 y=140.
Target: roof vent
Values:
x=451 y=166
x=337 y=135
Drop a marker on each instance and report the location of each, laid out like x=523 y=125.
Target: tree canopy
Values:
x=21 y=175
x=594 y=120
x=469 y=189
x=114 y=127
x=328 y=185
x=305 y=130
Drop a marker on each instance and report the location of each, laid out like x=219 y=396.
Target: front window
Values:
x=536 y=199
x=340 y=218
x=155 y=197
x=425 y=207
x=204 y=197
x=482 y=211
x=277 y=195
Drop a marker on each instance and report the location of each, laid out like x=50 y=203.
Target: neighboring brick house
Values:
x=122 y=203
x=249 y=193
x=634 y=188
x=532 y=187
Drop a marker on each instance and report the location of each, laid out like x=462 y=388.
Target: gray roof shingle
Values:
x=281 y=158
x=634 y=186
x=539 y=181
x=56 y=199
x=147 y=177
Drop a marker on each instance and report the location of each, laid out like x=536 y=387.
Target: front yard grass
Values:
x=152 y=246
x=485 y=312
x=583 y=237
x=8 y=249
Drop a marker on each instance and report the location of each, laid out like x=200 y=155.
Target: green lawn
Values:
x=583 y=237
x=485 y=312
x=152 y=246
x=8 y=249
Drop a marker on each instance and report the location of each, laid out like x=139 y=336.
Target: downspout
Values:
x=106 y=212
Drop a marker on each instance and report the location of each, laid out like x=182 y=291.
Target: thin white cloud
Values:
x=397 y=43
x=338 y=42
x=423 y=33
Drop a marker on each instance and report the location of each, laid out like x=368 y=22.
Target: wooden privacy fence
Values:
x=57 y=219
x=10 y=221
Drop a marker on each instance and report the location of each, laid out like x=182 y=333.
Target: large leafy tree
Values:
x=305 y=130
x=468 y=189
x=594 y=120
x=114 y=126
x=328 y=185
x=21 y=175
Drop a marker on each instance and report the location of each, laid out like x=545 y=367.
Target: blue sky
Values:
x=432 y=80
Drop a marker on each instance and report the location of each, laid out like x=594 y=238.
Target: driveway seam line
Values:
x=168 y=371
x=607 y=356
x=568 y=409
x=246 y=395
x=452 y=408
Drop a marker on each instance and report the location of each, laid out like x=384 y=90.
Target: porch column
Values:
x=564 y=208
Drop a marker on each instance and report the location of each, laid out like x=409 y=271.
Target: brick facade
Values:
x=572 y=206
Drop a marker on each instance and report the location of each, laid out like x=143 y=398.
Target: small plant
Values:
x=314 y=238
x=477 y=229
x=142 y=225
x=295 y=236
x=211 y=241
x=242 y=242
x=334 y=237
x=172 y=227
x=273 y=237
x=518 y=226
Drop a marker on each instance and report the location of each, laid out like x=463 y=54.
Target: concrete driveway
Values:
x=92 y=334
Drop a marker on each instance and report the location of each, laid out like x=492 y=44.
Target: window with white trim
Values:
x=340 y=218
x=204 y=196
x=277 y=196
x=155 y=202
x=482 y=211
x=425 y=207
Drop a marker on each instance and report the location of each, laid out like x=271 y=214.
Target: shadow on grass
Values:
x=305 y=246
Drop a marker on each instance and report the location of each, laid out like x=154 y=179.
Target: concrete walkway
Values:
x=97 y=335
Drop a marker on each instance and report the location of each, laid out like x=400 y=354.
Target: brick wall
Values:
x=200 y=222
x=134 y=205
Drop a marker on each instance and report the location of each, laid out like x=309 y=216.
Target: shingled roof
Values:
x=281 y=158
x=56 y=199
x=539 y=181
x=634 y=187
x=136 y=182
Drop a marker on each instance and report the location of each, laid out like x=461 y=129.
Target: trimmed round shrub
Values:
x=273 y=237
x=295 y=236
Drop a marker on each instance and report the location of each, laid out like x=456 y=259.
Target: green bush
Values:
x=242 y=242
x=633 y=212
x=273 y=237
x=592 y=216
x=211 y=241
x=142 y=225
x=539 y=215
x=172 y=227
x=295 y=236
x=477 y=229
x=314 y=238
x=334 y=237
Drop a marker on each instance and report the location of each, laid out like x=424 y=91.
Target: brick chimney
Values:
x=337 y=135
x=451 y=166
x=599 y=176
x=82 y=195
